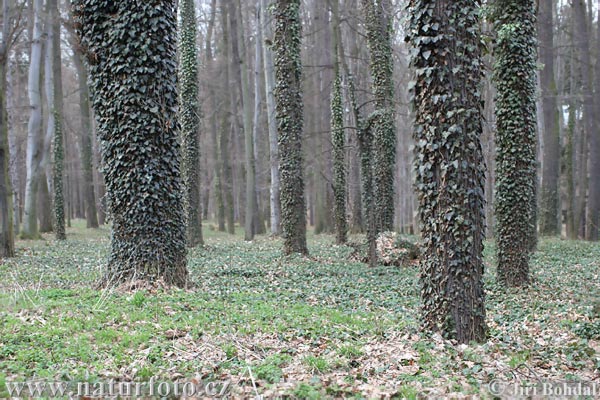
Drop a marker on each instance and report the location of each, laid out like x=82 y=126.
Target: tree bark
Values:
x=289 y=111
x=226 y=125
x=582 y=42
x=54 y=94
x=190 y=122
x=34 y=130
x=274 y=196
x=378 y=24
x=7 y=244
x=239 y=63
x=91 y=213
x=338 y=134
x=449 y=165
x=549 y=209
x=516 y=138
x=134 y=94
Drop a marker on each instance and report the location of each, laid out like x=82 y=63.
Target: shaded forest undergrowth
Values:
x=313 y=327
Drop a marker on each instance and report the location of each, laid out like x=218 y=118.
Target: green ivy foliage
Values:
x=379 y=32
x=189 y=116
x=445 y=53
x=338 y=138
x=515 y=80
x=130 y=48
x=289 y=114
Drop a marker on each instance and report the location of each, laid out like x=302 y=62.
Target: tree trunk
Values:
x=15 y=173
x=582 y=41
x=258 y=222
x=91 y=213
x=44 y=203
x=190 y=122
x=549 y=210
x=516 y=138
x=379 y=30
x=141 y=152
x=239 y=63
x=449 y=165
x=226 y=126
x=594 y=200
x=338 y=135
x=7 y=243
x=34 y=130
x=217 y=170
x=274 y=196
x=54 y=94
x=289 y=111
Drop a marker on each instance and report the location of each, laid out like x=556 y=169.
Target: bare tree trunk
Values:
x=217 y=171
x=259 y=225
x=239 y=63
x=594 y=199
x=267 y=34
x=582 y=41
x=44 y=203
x=34 y=134
x=549 y=210
x=7 y=244
x=91 y=213
x=226 y=127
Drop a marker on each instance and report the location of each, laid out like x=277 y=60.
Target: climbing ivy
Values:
x=445 y=53
x=515 y=80
x=130 y=48
x=338 y=138
x=189 y=116
x=289 y=114
x=379 y=31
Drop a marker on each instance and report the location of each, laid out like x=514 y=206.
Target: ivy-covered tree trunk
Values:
x=190 y=121
x=445 y=39
x=131 y=52
x=549 y=196
x=289 y=111
x=515 y=79
x=379 y=29
x=55 y=116
x=338 y=136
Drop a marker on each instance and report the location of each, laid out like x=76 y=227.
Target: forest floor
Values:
x=295 y=327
